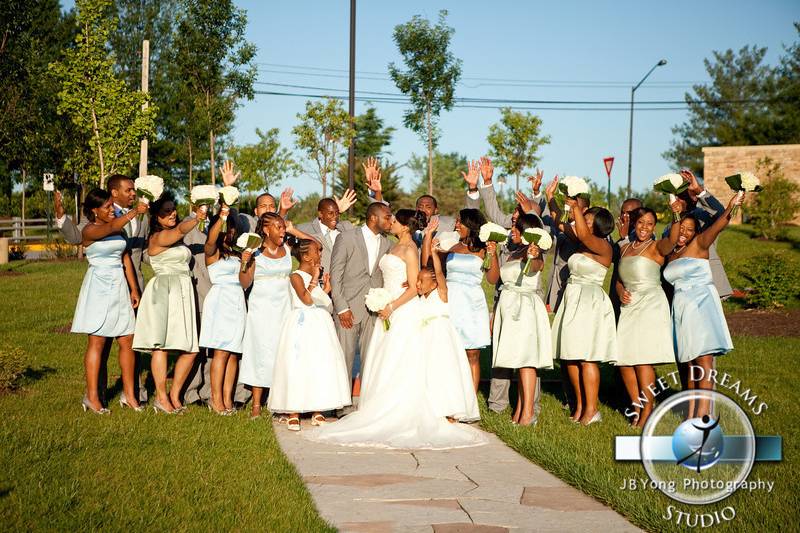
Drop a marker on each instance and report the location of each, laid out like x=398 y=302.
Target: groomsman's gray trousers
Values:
x=499 y=391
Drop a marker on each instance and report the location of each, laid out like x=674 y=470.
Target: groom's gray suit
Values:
x=351 y=279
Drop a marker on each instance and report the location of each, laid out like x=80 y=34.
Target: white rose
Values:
x=229 y=194
x=749 y=181
x=489 y=229
x=150 y=184
x=248 y=241
x=377 y=299
x=544 y=238
x=575 y=186
x=203 y=192
x=676 y=180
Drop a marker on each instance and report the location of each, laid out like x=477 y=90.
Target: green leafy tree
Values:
x=770 y=210
x=786 y=109
x=449 y=183
x=263 y=164
x=515 y=141
x=430 y=78
x=324 y=130
x=96 y=99
x=214 y=66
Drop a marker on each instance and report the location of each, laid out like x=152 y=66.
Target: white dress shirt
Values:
x=373 y=245
x=134 y=224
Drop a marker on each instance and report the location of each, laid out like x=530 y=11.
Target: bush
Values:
x=12 y=366
x=774 y=279
x=776 y=205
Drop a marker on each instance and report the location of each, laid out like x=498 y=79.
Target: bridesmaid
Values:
x=108 y=296
x=468 y=309
x=644 y=330
x=268 y=305
x=167 y=320
x=224 y=312
x=699 y=326
x=584 y=329
x=521 y=332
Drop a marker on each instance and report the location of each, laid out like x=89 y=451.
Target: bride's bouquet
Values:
x=741 y=183
x=247 y=242
x=376 y=300
x=491 y=232
x=570 y=187
x=541 y=239
x=205 y=196
x=227 y=195
x=673 y=185
x=447 y=239
x=148 y=189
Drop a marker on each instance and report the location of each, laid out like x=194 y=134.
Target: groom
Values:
x=354 y=271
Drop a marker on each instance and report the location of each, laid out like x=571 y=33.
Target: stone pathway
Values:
x=485 y=489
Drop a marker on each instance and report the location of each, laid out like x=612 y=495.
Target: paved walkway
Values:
x=486 y=489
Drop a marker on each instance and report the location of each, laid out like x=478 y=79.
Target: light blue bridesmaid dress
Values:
x=468 y=310
x=224 y=310
x=268 y=307
x=104 y=303
x=699 y=326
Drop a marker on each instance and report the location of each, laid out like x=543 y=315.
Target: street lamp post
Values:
x=630 y=131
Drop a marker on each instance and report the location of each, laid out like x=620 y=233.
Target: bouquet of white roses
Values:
x=570 y=187
x=447 y=239
x=205 y=196
x=541 y=239
x=376 y=300
x=247 y=242
x=227 y=195
x=148 y=189
x=673 y=185
x=741 y=183
x=491 y=232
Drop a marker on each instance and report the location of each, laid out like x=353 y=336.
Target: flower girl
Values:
x=310 y=369
x=448 y=378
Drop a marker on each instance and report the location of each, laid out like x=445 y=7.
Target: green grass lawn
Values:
x=61 y=469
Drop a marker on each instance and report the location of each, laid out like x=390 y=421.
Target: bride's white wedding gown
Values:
x=394 y=408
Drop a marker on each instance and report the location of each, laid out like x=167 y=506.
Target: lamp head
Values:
x=662 y=62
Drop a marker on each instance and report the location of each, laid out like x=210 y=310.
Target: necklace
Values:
x=641 y=243
x=272 y=252
x=678 y=249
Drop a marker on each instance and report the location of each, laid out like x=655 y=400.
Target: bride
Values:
x=394 y=409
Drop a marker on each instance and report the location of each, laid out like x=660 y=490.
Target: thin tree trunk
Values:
x=99 y=148
x=24 y=179
x=191 y=164
x=324 y=185
x=430 y=151
x=517 y=181
x=213 y=163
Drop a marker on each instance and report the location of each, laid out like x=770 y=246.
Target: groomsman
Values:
x=354 y=271
x=625 y=228
x=328 y=226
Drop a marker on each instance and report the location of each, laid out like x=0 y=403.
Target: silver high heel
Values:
x=158 y=407
x=88 y=406
x=596 y=418
x=123 y=402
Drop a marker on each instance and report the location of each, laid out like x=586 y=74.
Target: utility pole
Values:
x=630 y=129
x=145 y=90
x=351 y=153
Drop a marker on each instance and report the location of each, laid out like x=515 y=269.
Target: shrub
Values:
x=12 y=366
x=774 y=279
x=776 y=205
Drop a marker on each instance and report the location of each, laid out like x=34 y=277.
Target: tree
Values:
x=96 y=100
x=265 y=163
x=429 y=80
x=770 y=210
x=324 y=130
x=786 y=116
x=515 y=141
x=214 y=67
x=449 y=183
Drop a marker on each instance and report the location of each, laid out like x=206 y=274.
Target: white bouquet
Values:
x=743 y=182
x=491 y=232
x=227 y=195
x=448 y=239
x=571 y=187
x=247 y=242
x=673 y=185
x=376 y=300
x=148 y=189
x=541 y=239
x=205 y=196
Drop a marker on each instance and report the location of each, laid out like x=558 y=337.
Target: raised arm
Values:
x=168 y=237
x=372 y=173
x=304 y=291
x=441 y=279
x=596 y=245
x=210 y=248
x=291 y=229
x=710 y=233
x=95 y=232
x=493 y=274
x=665 y=245
x=427 y=239
x=247 y=275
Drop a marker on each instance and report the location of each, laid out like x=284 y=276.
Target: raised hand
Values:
x=433 y=225
x=201 y=211
x=287 y=202
x=624 y=224
x=487 y=170
x=550 y=190
x=372 y=172
x=246 y=255
x=471 y=176
x=347 y=200
x=536 y=181
x=228 y=177
x=58 y=204
x=491 y=248
x=694 y=186
x=524 y=202
x=534 y=251
x=435 y=245
x=141 y=208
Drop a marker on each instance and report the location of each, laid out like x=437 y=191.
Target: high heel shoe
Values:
x=596 y=418
x=123 y=402
x=88 y=406
x=158 y=407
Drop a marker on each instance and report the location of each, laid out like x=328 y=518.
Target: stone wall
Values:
x=722 y=161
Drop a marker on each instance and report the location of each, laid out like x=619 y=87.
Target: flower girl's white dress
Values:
x=395 y=409
x=310 y=370
x=448 y=376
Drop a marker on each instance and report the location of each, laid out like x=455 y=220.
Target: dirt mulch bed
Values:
x=760 y=323
x=63 y=329
x=10 y=273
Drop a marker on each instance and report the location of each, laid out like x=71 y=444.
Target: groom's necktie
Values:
x=327 y=237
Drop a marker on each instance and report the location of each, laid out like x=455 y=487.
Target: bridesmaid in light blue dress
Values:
x=584 y=329
x=224 y=312
x=109 y=294
x=167 y=320
x=468 y=310
x=268 y=306
x=699 y=326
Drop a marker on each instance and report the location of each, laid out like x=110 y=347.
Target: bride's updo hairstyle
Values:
x=413 y=220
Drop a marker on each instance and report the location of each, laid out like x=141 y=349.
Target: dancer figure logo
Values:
x=700 y=456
